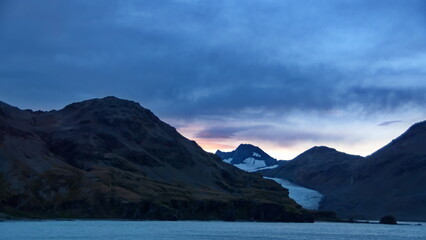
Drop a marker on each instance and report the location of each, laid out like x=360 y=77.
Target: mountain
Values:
x=249 y=158
x=112 y=158
x=253 y=159
x=320 y=168
x=388 y=182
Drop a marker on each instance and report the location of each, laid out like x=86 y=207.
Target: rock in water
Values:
x=388 y=220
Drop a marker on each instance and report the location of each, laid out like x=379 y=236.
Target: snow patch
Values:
x=228 y=160
x=269 y=167
x=251 y=164
x=307 y=198
x=255 y=154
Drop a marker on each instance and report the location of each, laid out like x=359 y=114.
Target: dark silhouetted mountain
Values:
x=321 y=168
x=112 y=158
x=248 y=157
x=390 y=181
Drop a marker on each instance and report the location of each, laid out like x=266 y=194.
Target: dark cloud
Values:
x=219 y=132
x=229 y=131
x=292 y=137
x=387 y=123
x=188 y=59
x=385 y=98
x=282 y=136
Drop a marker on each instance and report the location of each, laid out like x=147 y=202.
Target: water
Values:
x=188 y=230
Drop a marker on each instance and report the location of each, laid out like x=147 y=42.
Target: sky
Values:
x=284 y=75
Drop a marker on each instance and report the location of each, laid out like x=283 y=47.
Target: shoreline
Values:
x=371 y=222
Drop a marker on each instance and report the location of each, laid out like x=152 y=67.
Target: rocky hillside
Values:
x=112 y=158
x=390 y=181
x=320 y=168
x=249 y=158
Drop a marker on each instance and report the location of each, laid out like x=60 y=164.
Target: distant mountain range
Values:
x=390 y=181
x=112 y=158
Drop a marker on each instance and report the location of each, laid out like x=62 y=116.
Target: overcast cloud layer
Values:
x=284 y=74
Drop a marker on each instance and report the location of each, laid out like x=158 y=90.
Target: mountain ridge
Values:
x=385 y=182
x=112 y=158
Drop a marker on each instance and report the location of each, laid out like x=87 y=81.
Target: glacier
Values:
x=307 y=198
x=251 y=164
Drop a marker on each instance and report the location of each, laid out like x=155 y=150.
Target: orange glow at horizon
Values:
x=282 y=152
x=279 y=152
x=358 y=137
x=228 y=145
x=212 y=146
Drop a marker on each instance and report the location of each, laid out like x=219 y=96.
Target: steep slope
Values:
x=249 y=158
x=320 y=168
x=111 y=158
x=390 y=181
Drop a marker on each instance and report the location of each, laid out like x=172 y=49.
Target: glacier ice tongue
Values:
x=307 y=198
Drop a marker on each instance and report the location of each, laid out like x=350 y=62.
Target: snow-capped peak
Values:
x=249 y=158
